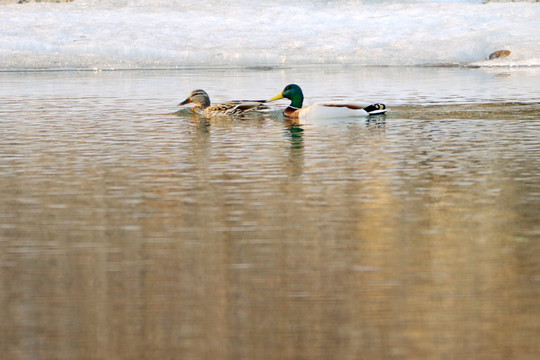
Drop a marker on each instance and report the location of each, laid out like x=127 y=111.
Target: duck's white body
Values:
x=319 y=111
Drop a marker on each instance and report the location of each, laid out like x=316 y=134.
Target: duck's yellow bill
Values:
x=277 y=97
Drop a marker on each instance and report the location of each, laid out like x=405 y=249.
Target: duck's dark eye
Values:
x=287 y=88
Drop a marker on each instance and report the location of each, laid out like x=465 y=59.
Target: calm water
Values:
x=127 y=232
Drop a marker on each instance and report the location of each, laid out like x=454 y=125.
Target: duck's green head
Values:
x=293 y=93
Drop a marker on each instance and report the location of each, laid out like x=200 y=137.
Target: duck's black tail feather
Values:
x=375 y=109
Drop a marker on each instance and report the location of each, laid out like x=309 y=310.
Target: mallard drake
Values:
x=234 y=108
x=322 y=110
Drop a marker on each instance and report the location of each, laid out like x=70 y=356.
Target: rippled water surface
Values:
x=130 y=232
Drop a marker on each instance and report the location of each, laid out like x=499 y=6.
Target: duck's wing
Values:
x=372 y=109
x=220 y=107
x=237 y=104
x=348 y=106
x=248 y=101
x=249 y=105
x=235 y=108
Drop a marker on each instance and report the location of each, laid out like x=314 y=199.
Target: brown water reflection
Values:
x=168 y=238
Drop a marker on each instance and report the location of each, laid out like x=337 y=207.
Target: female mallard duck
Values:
x=234 y=108
x=322 y=110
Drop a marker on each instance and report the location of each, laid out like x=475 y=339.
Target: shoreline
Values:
x=272 y=68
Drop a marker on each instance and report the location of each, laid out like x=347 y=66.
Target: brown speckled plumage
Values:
x=234 y=108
